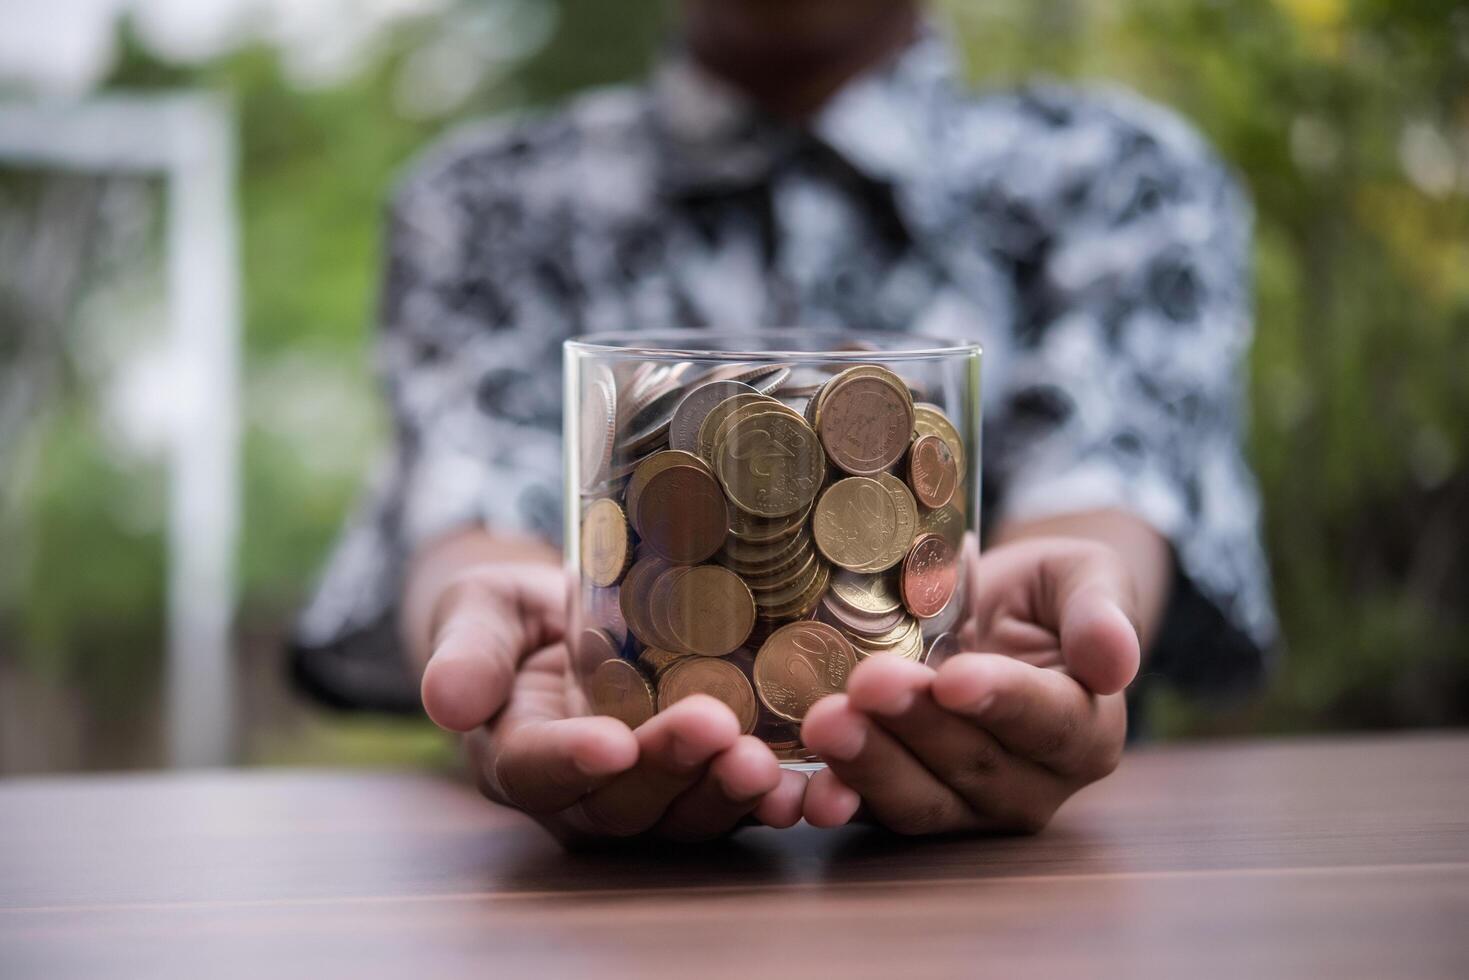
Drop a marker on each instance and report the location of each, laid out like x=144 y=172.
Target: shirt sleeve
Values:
x=1124 y=382
x=470 y=365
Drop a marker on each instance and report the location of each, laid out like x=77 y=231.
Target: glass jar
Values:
x=750 y=514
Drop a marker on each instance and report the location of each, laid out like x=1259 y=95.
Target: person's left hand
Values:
x=999 y=738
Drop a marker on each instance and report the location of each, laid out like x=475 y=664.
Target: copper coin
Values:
x=605 y=547
x=648 y=467
x=865 y=421
x=930 y=575
x=719 y=679
x=799 y=665
x=710 y=611
x=619 y=689
x=682 y=514
x=600 y=608
x=932 y=471
x=633 y=597
x=660 y=608
x=694 y=408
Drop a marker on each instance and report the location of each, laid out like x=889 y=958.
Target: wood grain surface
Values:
x=1342 y=859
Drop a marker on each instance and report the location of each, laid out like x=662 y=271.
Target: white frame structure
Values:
x=188 y=142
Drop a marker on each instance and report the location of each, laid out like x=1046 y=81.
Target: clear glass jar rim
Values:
x=765 y=343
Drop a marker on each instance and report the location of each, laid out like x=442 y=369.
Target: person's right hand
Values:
x=500 y=672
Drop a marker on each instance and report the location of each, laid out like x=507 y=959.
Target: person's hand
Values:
x=500 y=672
x=995 y=739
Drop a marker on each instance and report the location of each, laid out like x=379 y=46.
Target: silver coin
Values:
x=683 y=432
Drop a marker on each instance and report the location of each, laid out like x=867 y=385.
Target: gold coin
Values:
x=619 y=689
x=932 y=473
x=865 y=420
x=865 y=524
x=710 y=611
x=633 y=597
x=804 y=603
x=656 y=660
x=769 y=461
x=930 y=420
x=947 y=522
x=799 y=665
x=604 y=543
x=719 y=679
x=876 y=595
x=709 y=428
x=759 y=530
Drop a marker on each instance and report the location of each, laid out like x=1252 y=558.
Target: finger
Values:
x=829 y=802
x=899 y=792
x=480 y=640
x=1038 y=714
x=674 y=746
x=781 y=807
x=1092 y=595
x=546 y=766
x=1013 y=792
x=730 y=788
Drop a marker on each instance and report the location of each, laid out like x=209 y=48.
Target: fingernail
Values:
x=847 y=744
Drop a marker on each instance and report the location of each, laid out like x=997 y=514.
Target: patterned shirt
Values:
x=1089 y=240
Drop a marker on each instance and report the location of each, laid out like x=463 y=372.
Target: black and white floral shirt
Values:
x=1089 y=240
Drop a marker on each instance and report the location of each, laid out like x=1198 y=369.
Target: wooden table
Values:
x=1345 y=858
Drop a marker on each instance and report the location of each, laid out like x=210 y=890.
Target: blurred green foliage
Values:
x=1347 y=119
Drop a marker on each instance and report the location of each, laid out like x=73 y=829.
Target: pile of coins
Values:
x=752 y=532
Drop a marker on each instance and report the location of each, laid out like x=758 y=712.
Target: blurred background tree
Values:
x=1347 y=119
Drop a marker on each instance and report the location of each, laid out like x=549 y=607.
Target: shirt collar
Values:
x=884 y=123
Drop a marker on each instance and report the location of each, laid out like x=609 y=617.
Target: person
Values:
x=817 y=162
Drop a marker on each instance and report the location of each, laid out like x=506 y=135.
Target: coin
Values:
x=598 y=428
x=633 y=597
x=680 y=511
x=769 y=462
x=842 y=616
x=947 y=522
x=710 y=427
x=932 y=472
x=863 y=524
x=759 y=530
x=710 y=611
x=656 y=660
x=865 y=420
x=873 y=594
x=719 y=679
x=799 y=665
x=601 y=609
x=930 y=574
x=694 y=408
x=604 y=543
x=941 y=648
x=594 y=646
x=930 y=420
x=619 y=689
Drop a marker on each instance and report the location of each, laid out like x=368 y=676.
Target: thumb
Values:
x=488 y=621
x=1094 y=600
